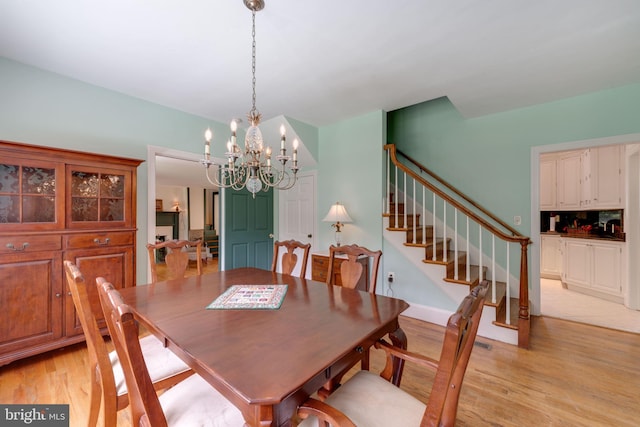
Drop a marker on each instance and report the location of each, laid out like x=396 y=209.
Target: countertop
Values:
x=618 y=237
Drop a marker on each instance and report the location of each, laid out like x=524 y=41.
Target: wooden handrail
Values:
x=515 y=238
x=524 y=241
x=459 y=193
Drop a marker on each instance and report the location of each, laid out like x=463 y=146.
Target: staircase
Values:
x=446 y=230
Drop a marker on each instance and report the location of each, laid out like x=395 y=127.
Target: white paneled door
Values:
x=297 y=211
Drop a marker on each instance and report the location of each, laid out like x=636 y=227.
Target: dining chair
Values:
x=108 y=384
x=177 y=257
x=351 y=271
x=289 y=259
x=371 y=400
x=193 y=402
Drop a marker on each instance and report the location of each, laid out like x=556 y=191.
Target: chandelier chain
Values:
x=253 y=64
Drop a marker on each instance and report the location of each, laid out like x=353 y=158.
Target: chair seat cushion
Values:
x=194 y=402
x=161 y=362
x=370 y=401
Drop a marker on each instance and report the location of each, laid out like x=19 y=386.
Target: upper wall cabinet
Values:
x=582 y=179
x=606 y=184
x=548 y=182
x=569 y=181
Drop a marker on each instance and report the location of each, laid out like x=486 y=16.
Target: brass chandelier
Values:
x=252 y=167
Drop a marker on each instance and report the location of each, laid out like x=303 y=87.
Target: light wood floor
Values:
x=562 y=303
x=573 y=375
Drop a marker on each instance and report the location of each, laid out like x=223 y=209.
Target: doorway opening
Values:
x=549 y=295
x=175 y=179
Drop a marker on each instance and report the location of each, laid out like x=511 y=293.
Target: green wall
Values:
x=489 y=158
x=350 y=172
x=42 y=108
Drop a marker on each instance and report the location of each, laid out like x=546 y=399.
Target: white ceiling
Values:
x=323 y=61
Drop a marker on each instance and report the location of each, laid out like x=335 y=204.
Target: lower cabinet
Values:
x=320 y=268
x=37 y=308
x=550 y=256
x=32 y=302
x=594 y=268
x=114 y=264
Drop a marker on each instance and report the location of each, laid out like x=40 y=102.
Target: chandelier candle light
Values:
x=338 y=215
x=251 y=167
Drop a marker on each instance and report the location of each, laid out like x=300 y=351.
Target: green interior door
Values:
x=248 y=229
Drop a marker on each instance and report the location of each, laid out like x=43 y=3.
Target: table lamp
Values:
x=338 y=215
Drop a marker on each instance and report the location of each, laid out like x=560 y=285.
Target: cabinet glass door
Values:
x=98 y=196
x=27 y=193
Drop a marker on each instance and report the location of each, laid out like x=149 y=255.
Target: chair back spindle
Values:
x=351 y=271
x=101 y=369
x=460 y=335
x=290 y=259
x=177 y=257
x=145 y=407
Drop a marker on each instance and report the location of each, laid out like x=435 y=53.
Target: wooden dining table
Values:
x=266 y=361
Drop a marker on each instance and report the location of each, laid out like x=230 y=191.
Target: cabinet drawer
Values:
x=351 y=358
x=96 y=240
x=13 y=244
x=319 y=268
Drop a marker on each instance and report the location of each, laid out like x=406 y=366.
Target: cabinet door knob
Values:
x=102 y=243
x=24 y=246
x=58 y=295
x=309 y=235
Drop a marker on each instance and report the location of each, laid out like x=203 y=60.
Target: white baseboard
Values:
x=486 y=329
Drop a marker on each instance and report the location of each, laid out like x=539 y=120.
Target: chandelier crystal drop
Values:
x=251 y=168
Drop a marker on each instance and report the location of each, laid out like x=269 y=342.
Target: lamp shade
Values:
x=337 y=213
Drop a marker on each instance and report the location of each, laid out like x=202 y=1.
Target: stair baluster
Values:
x=438 y=250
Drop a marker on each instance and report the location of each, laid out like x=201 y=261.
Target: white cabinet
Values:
x=577 y=259
x=550 y=256
x=548 y=182
x=582 y=179
x=569 y=185
x=594 y=267
x=585 y=179
x=606 y=182
x=607 y=268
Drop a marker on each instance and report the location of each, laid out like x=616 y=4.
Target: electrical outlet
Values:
x=517 y=220
x=391 y=276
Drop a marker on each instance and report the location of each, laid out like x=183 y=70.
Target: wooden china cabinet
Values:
x=59 y=205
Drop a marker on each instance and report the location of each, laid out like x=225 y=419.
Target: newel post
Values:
x=524 y=321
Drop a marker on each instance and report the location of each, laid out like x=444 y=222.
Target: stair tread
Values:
x=439 y=259
x=428 y=244
x=501 y=315
x=501 y=291
x=475 y=274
